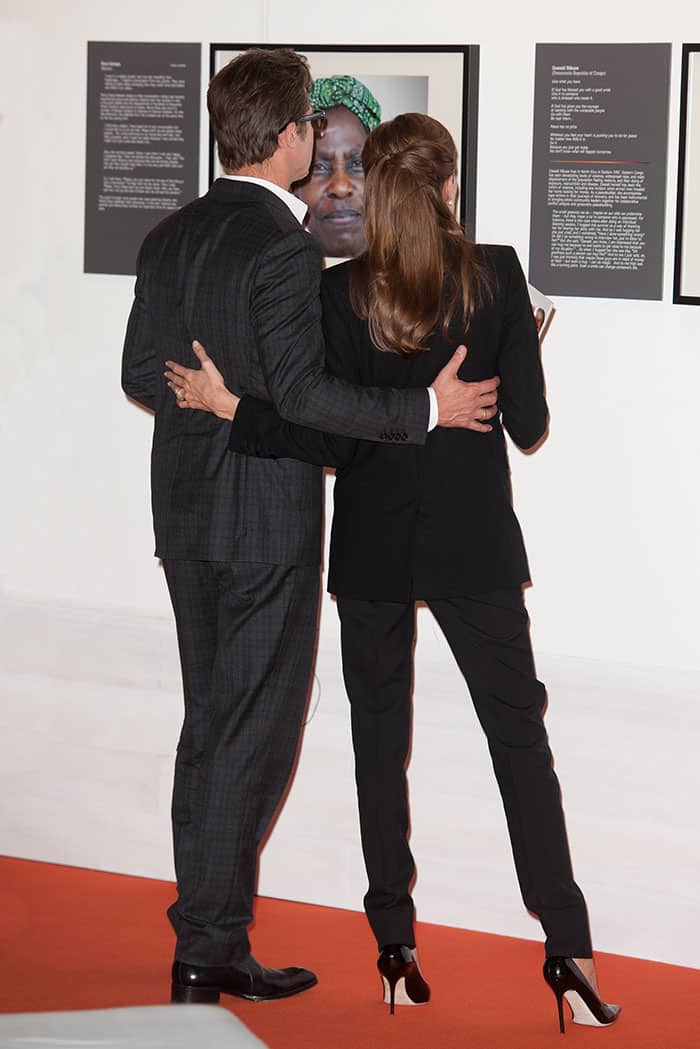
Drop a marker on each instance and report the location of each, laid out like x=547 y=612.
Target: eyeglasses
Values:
x=317 y=118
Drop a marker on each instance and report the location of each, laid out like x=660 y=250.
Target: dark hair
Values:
x=418 y=266
x=251 y=98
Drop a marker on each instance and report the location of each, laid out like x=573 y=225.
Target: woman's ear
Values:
x=449 y=190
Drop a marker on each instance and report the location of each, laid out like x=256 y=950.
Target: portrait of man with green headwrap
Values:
x=334 y=190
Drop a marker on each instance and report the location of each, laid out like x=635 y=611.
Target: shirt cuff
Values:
x=434 y=410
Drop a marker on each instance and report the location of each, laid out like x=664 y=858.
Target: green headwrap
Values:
x=330 y=91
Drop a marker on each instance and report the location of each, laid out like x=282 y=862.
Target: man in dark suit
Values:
x=240 y=538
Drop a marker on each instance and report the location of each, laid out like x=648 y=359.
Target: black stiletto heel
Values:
x=560 y=1009
x=397 y=963
x=567 y=981
x=392 y=994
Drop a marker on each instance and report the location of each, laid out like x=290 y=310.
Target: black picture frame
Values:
x=688 y=180
x=466 y=91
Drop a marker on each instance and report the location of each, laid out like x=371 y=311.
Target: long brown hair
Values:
x=418 y=266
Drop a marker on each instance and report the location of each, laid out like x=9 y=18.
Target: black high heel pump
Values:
x=567 y=981
x=396 y=963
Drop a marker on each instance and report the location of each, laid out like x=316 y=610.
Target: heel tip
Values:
x=180 y=995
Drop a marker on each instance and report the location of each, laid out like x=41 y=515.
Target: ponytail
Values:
x=418 y=267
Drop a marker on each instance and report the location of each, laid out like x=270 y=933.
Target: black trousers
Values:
x=489 y=637
x=246 y=634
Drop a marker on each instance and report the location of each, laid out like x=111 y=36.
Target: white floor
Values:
x=90 y=717
x=145 y=1027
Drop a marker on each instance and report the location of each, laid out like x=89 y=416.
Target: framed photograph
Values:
x=686 y=276
x=359 y=86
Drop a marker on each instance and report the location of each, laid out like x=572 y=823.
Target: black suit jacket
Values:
x=432 y=521
x=235 y=270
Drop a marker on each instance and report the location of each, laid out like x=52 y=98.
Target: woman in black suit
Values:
x=434 y=523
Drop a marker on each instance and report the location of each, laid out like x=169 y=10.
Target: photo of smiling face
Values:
x=334 y=190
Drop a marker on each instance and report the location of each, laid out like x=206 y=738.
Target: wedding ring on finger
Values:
x=180 y=394
x=484 y=413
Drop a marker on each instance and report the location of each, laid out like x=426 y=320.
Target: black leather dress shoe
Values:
x=204 y=983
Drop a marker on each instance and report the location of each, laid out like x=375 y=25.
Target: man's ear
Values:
x=287 y=138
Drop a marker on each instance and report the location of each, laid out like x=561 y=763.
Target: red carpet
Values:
x=76 y=939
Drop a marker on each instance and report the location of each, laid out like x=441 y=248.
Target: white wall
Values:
x=610 y=508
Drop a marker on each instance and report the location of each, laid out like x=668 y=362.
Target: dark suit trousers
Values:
x=489 y=637
x=246 y=634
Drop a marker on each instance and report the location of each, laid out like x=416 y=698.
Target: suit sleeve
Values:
x=286 y=315
x=259 y=430
x=140 y=372
x=521 y=393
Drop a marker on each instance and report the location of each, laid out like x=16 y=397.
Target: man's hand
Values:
x=464 y=404
x=203 y=388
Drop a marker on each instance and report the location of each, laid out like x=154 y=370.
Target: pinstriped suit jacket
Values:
x=235 y=270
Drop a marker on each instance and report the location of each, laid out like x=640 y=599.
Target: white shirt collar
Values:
x=297 y=207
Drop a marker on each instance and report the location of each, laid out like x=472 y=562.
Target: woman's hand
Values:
x=203 y=388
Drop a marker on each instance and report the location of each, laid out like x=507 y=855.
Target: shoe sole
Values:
x=180 y=995
x=582 y=1015
x=401 y=996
